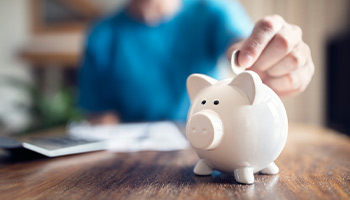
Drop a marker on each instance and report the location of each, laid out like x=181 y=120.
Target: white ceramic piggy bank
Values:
x=236 y=125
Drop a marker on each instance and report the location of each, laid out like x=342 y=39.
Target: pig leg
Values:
x=244 y=175
x=202 y=168
x=270 y=169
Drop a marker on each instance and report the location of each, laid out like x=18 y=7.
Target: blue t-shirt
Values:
x=140 y=71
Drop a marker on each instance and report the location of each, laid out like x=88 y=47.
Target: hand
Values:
x=276 y=51
x=108 y=118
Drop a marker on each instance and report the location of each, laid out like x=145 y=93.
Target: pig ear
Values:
x=248 y=82
x=197 y=82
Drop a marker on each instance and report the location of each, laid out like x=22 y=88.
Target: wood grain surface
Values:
x=315 y=164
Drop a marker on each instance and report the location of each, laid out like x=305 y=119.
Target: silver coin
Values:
x=234 y=63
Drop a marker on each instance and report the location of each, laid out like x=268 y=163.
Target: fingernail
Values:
x=295 y=81
x=245 y=60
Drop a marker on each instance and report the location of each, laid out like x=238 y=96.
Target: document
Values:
x=132 y=137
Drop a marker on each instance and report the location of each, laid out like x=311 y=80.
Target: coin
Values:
x=234 y=63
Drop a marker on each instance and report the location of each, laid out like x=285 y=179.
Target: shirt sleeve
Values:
x=230 y=22
x=91 y=83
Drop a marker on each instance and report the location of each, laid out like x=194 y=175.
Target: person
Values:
x=136 y=61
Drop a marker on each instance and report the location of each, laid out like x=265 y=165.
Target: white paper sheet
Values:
x=155 y=136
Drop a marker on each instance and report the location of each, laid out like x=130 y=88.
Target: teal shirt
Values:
x=140 y=72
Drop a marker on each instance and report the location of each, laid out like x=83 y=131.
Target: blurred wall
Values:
x=319 y=20
x=14 y=32
x=14 y=26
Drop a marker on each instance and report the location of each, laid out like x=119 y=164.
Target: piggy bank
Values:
x=237 y=125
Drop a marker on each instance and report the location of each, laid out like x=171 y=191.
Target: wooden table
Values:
x=315 y=164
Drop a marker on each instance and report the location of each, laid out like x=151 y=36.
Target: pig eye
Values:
x=216 y=102
x=203 y=102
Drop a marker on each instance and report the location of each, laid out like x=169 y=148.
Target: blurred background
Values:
x=41 y=43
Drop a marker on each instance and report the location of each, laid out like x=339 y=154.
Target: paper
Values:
x=156 y=136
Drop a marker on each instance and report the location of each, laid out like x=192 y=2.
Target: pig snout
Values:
x=204 y=130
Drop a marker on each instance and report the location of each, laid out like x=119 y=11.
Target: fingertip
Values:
x=245 y=60
x=295 y=80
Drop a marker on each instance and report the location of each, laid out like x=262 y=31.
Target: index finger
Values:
x=263 y=32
